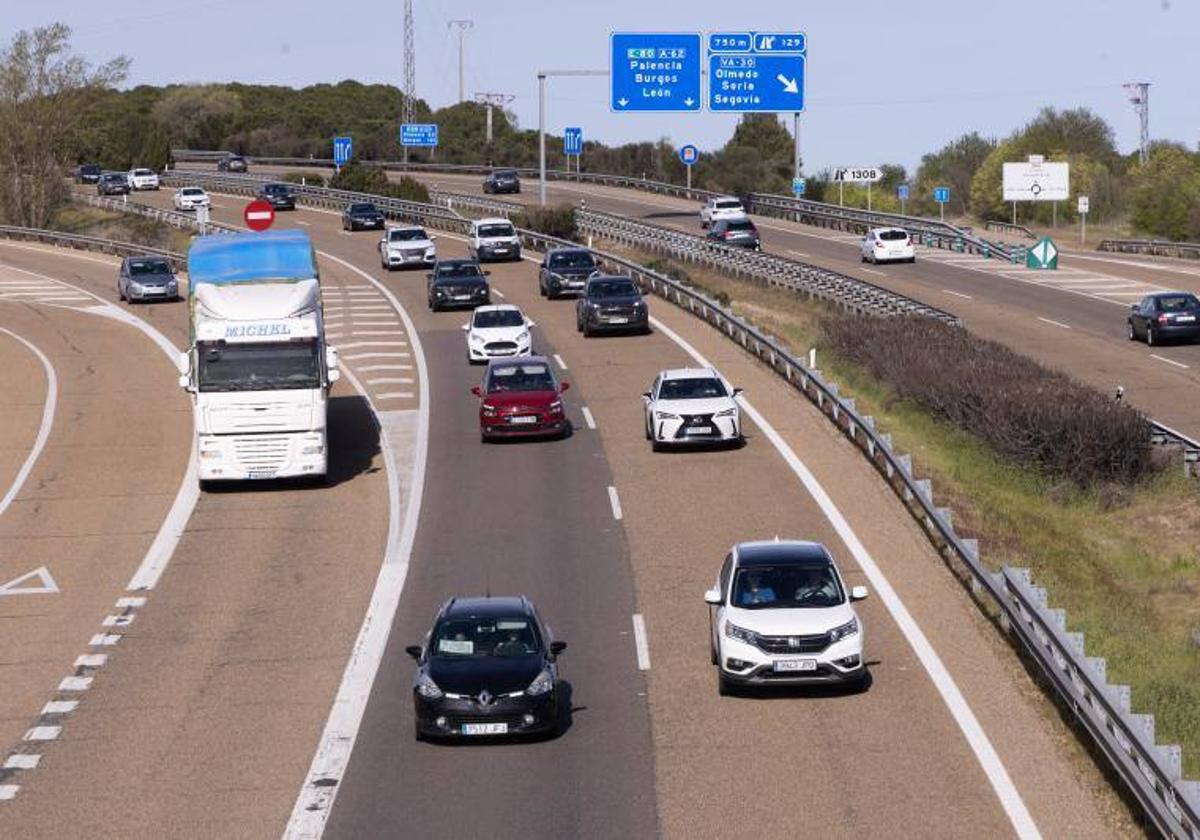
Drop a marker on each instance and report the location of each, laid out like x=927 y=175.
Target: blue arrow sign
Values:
x=689 y=154
x=941 y=195
x=902 y=192
x=572 y=141
x=799 y=185
x=343 y=148
x=740 y=82
x=419 y=134
x=654 y=71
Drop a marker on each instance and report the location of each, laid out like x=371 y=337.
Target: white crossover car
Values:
x=142 y=179
x=189 y=198
x=496 y=331
x=781 y=614
x=407 y=245
x=494 y=239
x=724 y=207
x=691 y=406
x=888 y=245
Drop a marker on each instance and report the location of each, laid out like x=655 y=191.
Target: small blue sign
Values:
x=689 y=154
x=418 y=134
x=902 y=192
x=729 y=42
x=941 y=195
x=779 y=42
x=572 y=141
x=343 y=148
x=654 y=71
x=798 y=186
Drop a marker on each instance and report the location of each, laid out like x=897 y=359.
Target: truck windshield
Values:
x=258 y=367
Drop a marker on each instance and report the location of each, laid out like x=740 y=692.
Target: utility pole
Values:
x=1139 y=95
x=491 y=100
x=462 y=25
x=407 y=107
x=541 y=77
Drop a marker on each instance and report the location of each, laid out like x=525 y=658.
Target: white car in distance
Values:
x=888 y=245
x=781 y=614
x=189 y=198
x=722 y=207
x=496 y=331
x=690 y=406
x=142 y=179
x=406 y=245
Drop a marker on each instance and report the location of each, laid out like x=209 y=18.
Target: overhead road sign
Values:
x=689 y=154
x=1037 y=181
x=343 y=148
x=419 y=134
x=1043 y=255
x=654 y=72
x=941 y=195
x=756 y=71
x=258 y=215
x=572 y=141
x=799 y=185
x=858 y=174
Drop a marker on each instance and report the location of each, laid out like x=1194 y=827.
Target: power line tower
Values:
x=407 y=107
x=491 y=100
x=1139 y=95
x=462 y=26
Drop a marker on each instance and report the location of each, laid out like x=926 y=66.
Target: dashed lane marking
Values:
x=615 y=502
x=1053 y=323
x=391 y=380
x=395 y=395
x=559 y=360
x=588 y=418
x=369 y=368
x=640 y=643
x=1168 y=361
x=360 y=356
x=354 y=344
x=22 y=761
x=957 y=294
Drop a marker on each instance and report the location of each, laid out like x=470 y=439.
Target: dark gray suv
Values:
x=112 y=183
x=565 y=270
x=611 y=304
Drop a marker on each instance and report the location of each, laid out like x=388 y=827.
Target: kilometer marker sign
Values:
x=258 y=215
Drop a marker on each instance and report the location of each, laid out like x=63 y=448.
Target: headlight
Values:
x=639 y=304
x=135 y=287
x=427 y=688
x=476 y=339
x=665 y=415
x=524 y=336
x=556 y=407
x=740 y=633
x=488 y=410
x=482 y=290
x=312 y=449
x=431 y=251
x=542 y=683
x=843 y=631
x=729 y=412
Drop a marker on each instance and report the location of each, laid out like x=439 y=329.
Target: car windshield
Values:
x=495 y=230
x=89 y=168
x=620 y=287
x=406 y=235
x=729 y=205
x=458 y=270
x=521 y=376
x=892 y=235
x=140 y=172
x=114 y=177
x=572 y=259
x=362 y=208
x=1177 y=303
x=258 y=367
x=277 y=188
x=489 y=318
x=191 y=191
x=699 y=388
x=505 y=173
x=806 y=585
x=477 y=637
x=149 y=267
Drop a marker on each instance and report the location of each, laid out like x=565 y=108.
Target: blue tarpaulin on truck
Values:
x=280 y=256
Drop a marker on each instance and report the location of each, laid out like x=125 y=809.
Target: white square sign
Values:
x=1083 y=204
x=1037 y=181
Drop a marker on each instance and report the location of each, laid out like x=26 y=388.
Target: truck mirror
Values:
x=182 y=363
x=334 y=375
x=184 y=381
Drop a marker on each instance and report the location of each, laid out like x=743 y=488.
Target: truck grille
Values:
x=261 y=452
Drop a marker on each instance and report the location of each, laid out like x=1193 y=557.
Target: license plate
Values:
x=699 y=430
x=523 y=419
x=260 y=474
x=462 y=297
x=1185 y=319
x=795 y=665
x=485 y=729
x=617 y=319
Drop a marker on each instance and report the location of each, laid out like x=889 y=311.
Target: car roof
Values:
x=191 y=187
x=406 y=227
x=688 y=373
x=498 y=307
x=508 y=360
x=597 y=278
x=487 y=607
x=781 y=552
x=727 y=198
x=1157 y=295
x=886 y=229
x=495 y=220
x=567 y=250
x=456 y=261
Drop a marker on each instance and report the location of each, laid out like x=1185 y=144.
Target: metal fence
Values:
x=1009 y=227
x=1152 y=247
x=89 y=243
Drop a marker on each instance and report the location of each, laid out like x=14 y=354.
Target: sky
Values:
x=887 y=82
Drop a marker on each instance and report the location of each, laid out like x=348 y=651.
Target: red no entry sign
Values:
x=258 y=215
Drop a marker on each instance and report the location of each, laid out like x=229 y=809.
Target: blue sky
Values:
x=887 y=82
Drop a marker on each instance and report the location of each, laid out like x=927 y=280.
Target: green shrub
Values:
x=557 y=221
x=355 y=177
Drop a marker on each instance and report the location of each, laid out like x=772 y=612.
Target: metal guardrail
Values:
x=1009 y=227
x=475 y=203
x=1151 y=771
x=90 y=243
x=1166 y=436
x=174 y=218
x=1152 y=247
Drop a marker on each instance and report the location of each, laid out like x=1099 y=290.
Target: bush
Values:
x=312 y=179
x=356 y=177
x=1026 y=412
x=557 y=221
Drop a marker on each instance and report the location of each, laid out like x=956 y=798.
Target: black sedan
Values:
x=362 y=215
x=740 y=233
x=487 y=668
x=1165 y=316
x=565 y=270
x=611 y=304
x=457 y=283
x=279 y=196
x=112 y=183
x=502 y=181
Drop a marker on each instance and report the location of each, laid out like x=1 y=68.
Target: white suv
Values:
x=888 y=245
x=723 y=207
x=780 y=614
x=142 y=179
x=688 y=406
x=494 y=239
x=406 y=245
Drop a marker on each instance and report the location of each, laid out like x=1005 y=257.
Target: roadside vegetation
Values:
x=122 y=227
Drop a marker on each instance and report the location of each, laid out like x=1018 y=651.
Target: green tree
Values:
x=1165 y=194
x=194 y=116
x=953 y=166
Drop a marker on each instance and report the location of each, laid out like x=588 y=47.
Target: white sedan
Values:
x=496 y=331
x=888 y=245
x=689 y=406
x=189 y=198
x=142 y=179
x=406 y=245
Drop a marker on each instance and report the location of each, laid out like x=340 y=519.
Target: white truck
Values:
x=258 y=367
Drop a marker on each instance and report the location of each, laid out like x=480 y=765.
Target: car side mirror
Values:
x=1134 y=307
x=184 y=381
x=647 y=395
x=487 y=274
x=530 y=323
x=429 y=276
x=713 y=596
x=737 y=391
x=414 y=651
x=557 y=647
x=476 y=390
x=466 y=327
x=858 y=593
x=564 y=385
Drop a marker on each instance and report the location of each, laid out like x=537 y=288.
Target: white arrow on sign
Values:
x=688 y=102
x=622 y=101
x=789 y=85
x=45 y=585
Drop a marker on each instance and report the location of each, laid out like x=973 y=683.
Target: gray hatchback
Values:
x=147 y=278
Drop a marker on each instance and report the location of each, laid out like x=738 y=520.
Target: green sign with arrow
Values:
x=1043 y=256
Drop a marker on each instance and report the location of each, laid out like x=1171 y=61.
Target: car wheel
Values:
x=656 y=445
x=1149 y=336
x=712 y=650
x=646 y=428
x=724 y=687
x=587 y=330
x=120 y=294
x=578 y=324
x=1132 y=333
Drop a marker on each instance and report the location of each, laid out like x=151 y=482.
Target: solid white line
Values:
x=358 y=356
x=391 y=380
x=317 y=795
x=560 y=361
x=366 y=368
x=1053 y=323
x=957 y=294
x=395 y=395
x=498 y=294
x=1168 y=361
x=588 y=418
x=615 y=502
x=977 y=739
x=43 y=433
x=873 y=271
x=797 y=253
x=640 y=644
x=302 y=222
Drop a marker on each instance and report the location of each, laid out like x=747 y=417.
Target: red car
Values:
x=520 y=397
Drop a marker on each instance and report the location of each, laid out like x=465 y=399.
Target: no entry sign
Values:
x=258 y=215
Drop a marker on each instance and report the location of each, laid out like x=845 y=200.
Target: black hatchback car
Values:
x=611 y=304
x=565 y=270
x=740 y=233
x=112 y=183
x=502 y=181
x=457 y=283
x=362 y=215
x=487 y=668
x=279 y=196
x=1163 y=316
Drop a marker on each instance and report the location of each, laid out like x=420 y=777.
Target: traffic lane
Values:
x=816 y=750
x=25 y=387
x=225 y=680
x=528 y=518
x=1171 y=273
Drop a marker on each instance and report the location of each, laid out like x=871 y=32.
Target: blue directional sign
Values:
x=799 y=185
x=689 y=154
x=572 y=141
x=418 y=134
x=756 y=71
x=343 y=148
x=654 y=71
x=902 y=192
x=941 y=195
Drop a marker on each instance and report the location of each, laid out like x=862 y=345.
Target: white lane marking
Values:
x=1168 y=361
x=359 y=356
x=391 y=380
x=317 y=795
x=91 y=660
x=131 y=601
x=8 y=791
x=960 y=710
x=588 y=418
x=640 y=643
x=797 y=253
x=376 y=332
x=499 y=294
x=59 y=707
x=395 y=395
x=354 y=344
x=21 y=761
x=957 y=294
x=302 y=222
x=75 y=684
x=873 y=271
x=118 y=620
x=104 y=639
x=43 y=733
x=43 y=433
x=358 y=323
x=615 y=502
x=46 y=584
x=560 y=361
x=367 y=368
x=1053 y=323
